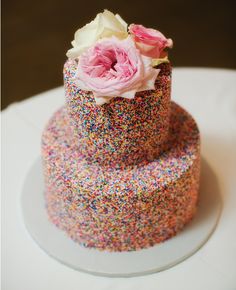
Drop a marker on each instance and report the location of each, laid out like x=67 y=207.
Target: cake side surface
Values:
x=121 y=209
x=122 y=132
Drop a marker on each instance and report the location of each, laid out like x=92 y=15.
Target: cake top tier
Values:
x=114 y=59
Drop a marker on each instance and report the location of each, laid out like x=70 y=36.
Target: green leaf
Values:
x=158 y=61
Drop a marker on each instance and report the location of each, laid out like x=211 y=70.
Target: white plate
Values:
x=120 y=264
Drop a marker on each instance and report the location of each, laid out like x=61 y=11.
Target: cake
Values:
x=121 y=160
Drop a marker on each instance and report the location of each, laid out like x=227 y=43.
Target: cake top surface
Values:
x=114 y=59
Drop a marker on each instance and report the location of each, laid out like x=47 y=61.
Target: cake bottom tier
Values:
x=121 y=210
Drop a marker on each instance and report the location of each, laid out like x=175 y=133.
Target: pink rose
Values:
x=114 y=67
x=151 y=42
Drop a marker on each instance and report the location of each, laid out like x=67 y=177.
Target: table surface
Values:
x=210 y=96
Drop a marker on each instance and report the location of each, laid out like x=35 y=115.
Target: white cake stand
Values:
x=58 y=245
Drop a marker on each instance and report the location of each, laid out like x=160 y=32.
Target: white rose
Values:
x=105 y=24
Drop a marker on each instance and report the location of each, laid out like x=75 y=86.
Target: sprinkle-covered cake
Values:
x=121 y=161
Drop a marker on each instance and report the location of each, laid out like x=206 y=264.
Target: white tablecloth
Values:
x=210 y=96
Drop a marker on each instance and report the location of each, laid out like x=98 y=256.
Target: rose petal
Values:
x=111 y=21
x=129 y=94
x=121 y=20
x=169 y=43
x=101 y=100
x=151 y=42
x=105 y=24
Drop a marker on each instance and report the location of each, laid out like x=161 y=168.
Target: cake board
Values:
x=160 y=257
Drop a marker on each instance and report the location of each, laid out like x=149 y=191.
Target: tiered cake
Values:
x=121 y=162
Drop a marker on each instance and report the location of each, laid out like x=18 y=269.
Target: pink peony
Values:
x=150 y=42
x=114 y=67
